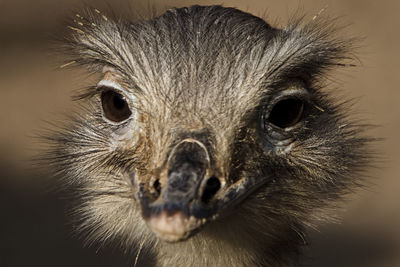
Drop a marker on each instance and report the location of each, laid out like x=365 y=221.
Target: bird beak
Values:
x=183 y=201
x=189 y=195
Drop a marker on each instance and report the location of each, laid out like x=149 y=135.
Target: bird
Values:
x=209 y=138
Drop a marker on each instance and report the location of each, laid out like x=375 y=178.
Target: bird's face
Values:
x=203 y=114
x=198 y=160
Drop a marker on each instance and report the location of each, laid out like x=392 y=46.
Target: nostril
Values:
x=157 y=186
x=212 y=186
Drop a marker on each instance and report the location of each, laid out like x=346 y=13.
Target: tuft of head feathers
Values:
x=213 y=68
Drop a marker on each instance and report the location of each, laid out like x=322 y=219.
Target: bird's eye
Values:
x=286 y=113
x=115 y=107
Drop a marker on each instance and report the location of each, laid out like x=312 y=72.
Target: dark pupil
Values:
x=119 y=102
x=286 y=112
x=115 y=107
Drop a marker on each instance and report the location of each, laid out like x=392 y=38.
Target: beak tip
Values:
x=172 y=227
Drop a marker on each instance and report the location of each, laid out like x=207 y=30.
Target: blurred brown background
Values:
x=34 y=229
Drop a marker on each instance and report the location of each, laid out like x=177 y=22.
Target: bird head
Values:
x=207 y=116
